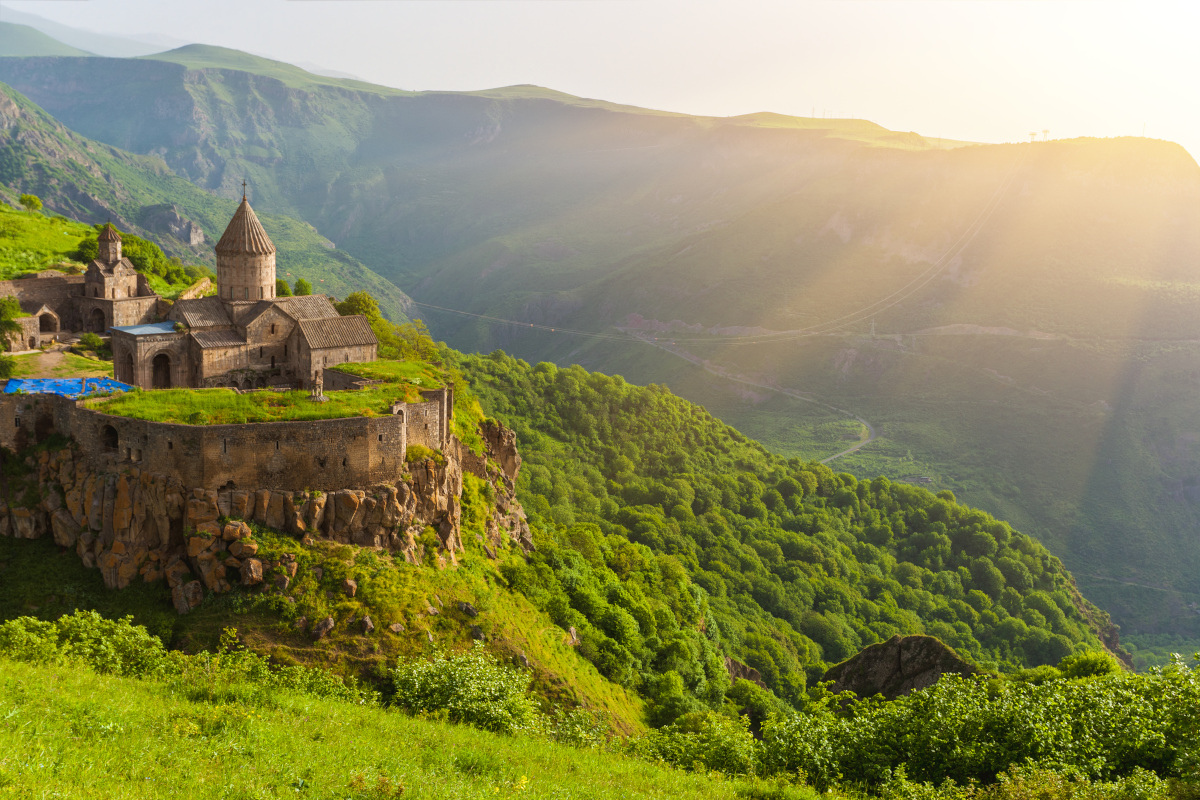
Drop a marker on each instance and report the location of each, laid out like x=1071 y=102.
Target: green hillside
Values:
x=792 y=566
x=1032 y=305
x=22 y=40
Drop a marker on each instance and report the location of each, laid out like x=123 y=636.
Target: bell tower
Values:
x=245 y=258
x=109 y=245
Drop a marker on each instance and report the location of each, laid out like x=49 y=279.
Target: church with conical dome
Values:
x=244 y=337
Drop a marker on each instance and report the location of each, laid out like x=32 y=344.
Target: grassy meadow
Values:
x=68 y=732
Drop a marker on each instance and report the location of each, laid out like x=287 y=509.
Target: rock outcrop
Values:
x=896 y=667
x=133 y=524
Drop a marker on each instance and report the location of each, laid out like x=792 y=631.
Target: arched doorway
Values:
x=47 y=322
x=96 y=322
x=108 y=439
x=127 y=375
x=162 y=372
x=32 y=343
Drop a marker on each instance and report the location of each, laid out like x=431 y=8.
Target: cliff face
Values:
x=133 y=524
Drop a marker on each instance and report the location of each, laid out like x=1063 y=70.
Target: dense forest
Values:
x=666 y=538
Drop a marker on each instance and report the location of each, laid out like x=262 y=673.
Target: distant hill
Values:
x=22 y=40
x=88 y=41
x=1017 y=321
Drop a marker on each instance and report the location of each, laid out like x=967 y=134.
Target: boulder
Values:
x=896 y=667
x=66 y=530
x=350 y=587
x=368 y=625
x=175 y=573
x=738 y=670
x=187 y=596
x=468 y=609
x=396 y=627
x=323 y=628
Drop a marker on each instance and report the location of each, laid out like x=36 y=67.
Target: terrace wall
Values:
x=317 y=454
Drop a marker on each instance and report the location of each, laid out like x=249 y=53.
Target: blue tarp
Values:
x=67 y=387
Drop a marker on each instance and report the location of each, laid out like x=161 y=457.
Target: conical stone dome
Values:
x=109 y=234
x=245 y=259
x=245 y=235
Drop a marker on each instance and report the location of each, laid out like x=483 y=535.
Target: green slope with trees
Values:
x=668 y=538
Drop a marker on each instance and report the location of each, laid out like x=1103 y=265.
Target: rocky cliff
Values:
x=133 y=524
x=898 y=666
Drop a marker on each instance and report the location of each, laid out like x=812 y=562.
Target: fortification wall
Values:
x=322 y=454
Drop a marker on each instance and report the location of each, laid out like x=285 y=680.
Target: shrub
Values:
x=471 y=688
x=116 y=647
x=417 y=452
x=703 y=740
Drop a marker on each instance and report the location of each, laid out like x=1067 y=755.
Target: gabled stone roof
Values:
x=337 y=332
x=109 y=234
x=245 y=234
x=109 y=269
x=203 y=312
x=311 y=306
x=222 y=338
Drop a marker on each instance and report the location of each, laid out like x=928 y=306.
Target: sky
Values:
x=960 y=69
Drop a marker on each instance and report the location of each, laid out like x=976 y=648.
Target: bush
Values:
x=115 y=647
x=471 y=688
x=417 y=452
x=703 y=740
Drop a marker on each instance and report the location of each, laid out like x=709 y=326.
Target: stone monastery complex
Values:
x=246 y=337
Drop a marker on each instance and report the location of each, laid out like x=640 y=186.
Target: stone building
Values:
x=244 y=337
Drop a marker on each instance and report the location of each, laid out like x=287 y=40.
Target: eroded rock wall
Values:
x=133 y=524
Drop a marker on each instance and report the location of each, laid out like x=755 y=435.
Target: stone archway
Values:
x=96 y=321
x=161 y=369
x=109 y=439
x=127 y=369
x=48 y=322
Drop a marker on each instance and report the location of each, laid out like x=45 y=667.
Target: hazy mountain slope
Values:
x=87 y=40
x=22 y=40
x=525 y=204
x=97 y=183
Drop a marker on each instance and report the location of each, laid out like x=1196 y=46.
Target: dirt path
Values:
x=47 y=362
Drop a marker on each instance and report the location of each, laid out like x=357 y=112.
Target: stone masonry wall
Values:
x=323 y=454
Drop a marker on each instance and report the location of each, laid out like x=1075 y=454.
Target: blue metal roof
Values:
x=148 y=329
